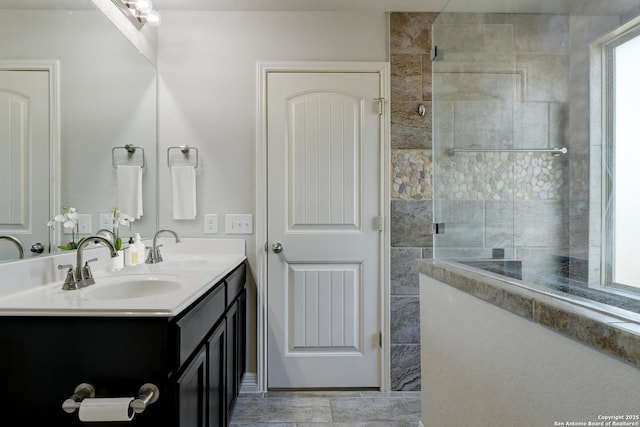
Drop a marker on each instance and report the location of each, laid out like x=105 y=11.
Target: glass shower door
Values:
x=475 y=89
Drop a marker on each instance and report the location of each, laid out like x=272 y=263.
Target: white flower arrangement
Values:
x=117 y=219
x=69 y=219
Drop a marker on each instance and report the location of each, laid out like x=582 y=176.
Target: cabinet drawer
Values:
x=193 y=327
x=235 y=283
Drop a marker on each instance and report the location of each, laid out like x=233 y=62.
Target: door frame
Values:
x=263 y=68
x=52 y=66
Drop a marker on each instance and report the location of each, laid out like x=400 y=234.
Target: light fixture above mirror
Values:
x=139 y=12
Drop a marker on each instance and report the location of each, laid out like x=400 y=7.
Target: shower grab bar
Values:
x=555 y=151
x=147 y=395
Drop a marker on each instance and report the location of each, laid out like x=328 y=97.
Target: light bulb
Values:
x=143 y=6
x=153 y=18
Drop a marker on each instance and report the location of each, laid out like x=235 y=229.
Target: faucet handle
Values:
x=86 y=273
x=154 y=255
x=149 y=259
x=158 y=255
x=70 y=280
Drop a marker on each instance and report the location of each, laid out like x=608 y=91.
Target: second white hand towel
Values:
x=130 y=190
x=183 y=186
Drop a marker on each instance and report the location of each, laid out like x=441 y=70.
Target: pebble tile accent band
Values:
x=500 y=176
x=411 y=175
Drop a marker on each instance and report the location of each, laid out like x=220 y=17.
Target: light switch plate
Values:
x=210 y=224
x=238 y=223
x=105 y=222
x=84 y=225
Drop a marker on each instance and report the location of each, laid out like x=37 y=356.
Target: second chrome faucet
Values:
x=154 y=252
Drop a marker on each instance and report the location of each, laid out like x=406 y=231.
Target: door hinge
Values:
x=436 y=54
x=380 y=339
x=438 y=228
x=380 y=105
x=378 y=223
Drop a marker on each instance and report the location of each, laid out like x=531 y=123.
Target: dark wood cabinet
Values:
x=216 y=358
x=191 y=389
x=196 y=359
x=236 y=353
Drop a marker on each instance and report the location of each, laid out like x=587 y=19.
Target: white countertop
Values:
x=196 y=264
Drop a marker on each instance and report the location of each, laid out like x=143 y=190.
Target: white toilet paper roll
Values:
x=106 y=409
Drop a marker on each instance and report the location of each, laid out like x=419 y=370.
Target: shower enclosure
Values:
x=522 y=131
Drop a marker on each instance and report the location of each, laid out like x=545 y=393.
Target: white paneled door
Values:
x=25 y=160
x=323 y=159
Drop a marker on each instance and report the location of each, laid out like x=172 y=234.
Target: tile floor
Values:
x=327 y=409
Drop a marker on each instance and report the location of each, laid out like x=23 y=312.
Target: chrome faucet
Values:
x=154 y=252
x=111 y=234
x=17 y=243
x=82 y=276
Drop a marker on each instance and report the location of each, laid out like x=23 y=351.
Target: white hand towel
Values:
x=130 y=190
x=183 y=185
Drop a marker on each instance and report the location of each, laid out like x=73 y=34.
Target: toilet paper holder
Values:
x=147 y=395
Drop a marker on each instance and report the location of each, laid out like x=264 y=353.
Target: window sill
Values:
x=608 y=329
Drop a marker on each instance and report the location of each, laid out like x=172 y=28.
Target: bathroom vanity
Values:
x=189 y=341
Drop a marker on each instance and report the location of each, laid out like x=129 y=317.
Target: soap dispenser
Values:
x=130 y=254
x=139 y=248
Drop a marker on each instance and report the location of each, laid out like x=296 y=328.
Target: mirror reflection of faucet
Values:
x=81 y=276
x=105 y=232
x=16 y=242
x=154 y=252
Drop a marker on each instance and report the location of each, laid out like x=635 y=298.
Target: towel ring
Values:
x=131 y=150
x=185 y=149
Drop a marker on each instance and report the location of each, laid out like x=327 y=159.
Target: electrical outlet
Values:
x=238 y=223
x=210 y=224
x=105 y=222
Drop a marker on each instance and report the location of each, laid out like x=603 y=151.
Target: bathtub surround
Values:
x=529 y=373
x=411 y=187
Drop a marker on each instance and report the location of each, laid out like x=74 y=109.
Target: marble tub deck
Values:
x=327 y=409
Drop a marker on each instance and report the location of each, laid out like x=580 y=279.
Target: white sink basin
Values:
x=134 y=286
x=188 y=264
x=192 y=262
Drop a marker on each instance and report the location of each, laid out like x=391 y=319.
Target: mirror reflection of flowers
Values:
x=69 y=219
x=118 y=218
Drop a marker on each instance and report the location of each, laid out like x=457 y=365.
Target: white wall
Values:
x=484 y=366
x=207 y=97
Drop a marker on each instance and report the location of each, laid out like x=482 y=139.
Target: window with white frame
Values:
x=622 y=160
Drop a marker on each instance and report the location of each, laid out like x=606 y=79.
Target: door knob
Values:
x=276 y=248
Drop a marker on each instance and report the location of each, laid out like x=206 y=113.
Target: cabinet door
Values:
x=241 y=338
x=216 y=355
x=192 y=392
x=232 y=362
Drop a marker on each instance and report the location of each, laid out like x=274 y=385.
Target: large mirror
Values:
x=74 y=92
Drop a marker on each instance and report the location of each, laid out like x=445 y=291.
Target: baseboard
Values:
x=249 y=383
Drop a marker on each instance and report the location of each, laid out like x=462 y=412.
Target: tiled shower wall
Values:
x=503 y=83
x=411 y=188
